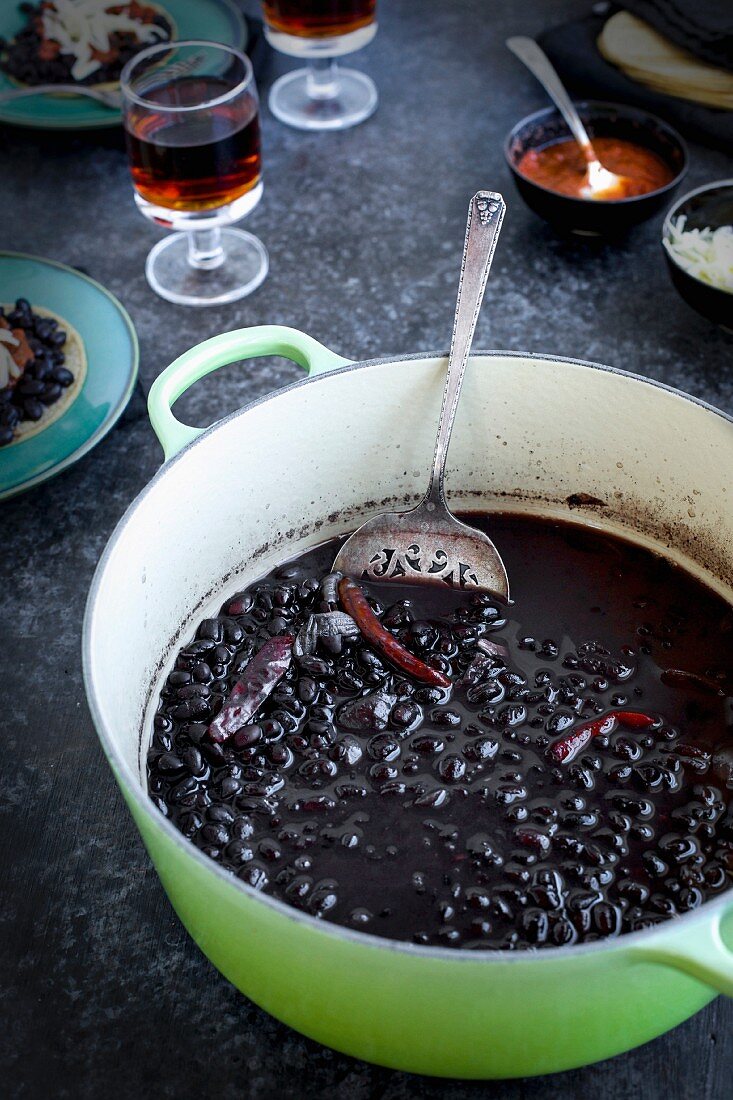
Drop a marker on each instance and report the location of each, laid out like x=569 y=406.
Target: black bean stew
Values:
x=574 y=781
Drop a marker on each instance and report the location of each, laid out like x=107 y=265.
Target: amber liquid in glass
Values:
x=319 y=18
x=196 y=160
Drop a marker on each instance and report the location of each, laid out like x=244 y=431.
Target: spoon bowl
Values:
x=603 y=185
x=421 y=547
x=427 y=544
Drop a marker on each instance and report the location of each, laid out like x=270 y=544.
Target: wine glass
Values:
x=322 y=96
x=191 y=116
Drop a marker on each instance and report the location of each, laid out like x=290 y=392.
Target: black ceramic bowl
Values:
x=709 y=206
x=592 y=216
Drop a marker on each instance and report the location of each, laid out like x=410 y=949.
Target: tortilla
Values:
x=76 y=362
x=649 y=58
x=105 y=85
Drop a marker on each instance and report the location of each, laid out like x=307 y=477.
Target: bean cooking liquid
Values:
x=445 y=819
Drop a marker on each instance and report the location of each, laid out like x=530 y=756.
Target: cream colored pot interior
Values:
x=532 y=434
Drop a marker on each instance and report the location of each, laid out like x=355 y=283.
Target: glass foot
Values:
x=306 y=100
x=190 y=271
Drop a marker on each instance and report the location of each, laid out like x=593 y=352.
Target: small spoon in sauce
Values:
x=427 y=544
x=600 y=184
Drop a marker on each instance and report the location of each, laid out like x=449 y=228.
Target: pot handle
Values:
x=243 y=343
x=703 y=955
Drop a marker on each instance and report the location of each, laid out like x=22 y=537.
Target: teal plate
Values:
x=112 y=353
x=212 y=20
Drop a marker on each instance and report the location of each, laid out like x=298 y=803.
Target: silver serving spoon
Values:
x=600 y=183
x=428 y=544
x=109 y=98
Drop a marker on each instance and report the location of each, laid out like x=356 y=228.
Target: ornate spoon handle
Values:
x=485 y=215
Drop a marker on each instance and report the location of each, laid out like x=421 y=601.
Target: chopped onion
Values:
x=706 y=254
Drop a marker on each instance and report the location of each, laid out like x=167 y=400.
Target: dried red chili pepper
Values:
x=634 y=719
x=678 y=677
x=262 y=674
x=567 y=748
x=356 y=604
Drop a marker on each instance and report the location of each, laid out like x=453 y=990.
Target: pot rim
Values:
x=338 y=931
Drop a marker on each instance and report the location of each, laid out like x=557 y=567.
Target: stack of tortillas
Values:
x=647 y=57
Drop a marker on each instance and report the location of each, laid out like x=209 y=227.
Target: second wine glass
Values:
x=191 y=117
x=322 y=96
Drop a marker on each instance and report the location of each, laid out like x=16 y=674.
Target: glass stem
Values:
x=205 y=251
x=323 y=78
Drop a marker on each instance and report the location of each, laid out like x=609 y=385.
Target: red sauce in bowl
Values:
x=561 y=167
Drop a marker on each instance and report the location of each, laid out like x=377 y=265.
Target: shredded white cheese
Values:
x=706 y=254
x=79 y=26
x=9 y=369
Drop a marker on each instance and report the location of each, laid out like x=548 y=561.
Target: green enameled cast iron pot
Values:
x=534 y=433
